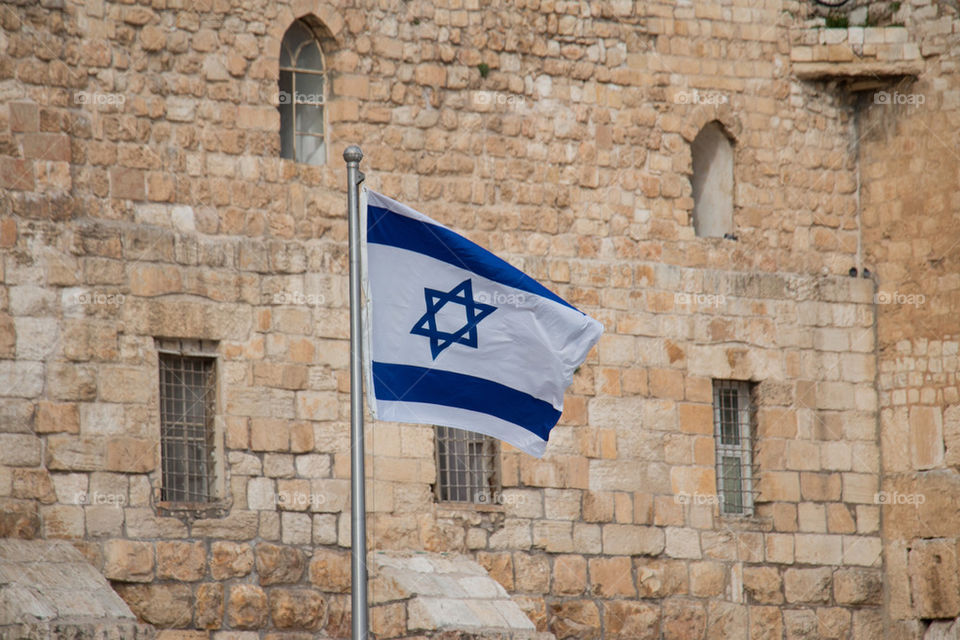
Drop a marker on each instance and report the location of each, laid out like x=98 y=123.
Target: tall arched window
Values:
x=712 y=182
x=302 y=91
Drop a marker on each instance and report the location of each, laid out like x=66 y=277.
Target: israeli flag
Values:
x=455 y=336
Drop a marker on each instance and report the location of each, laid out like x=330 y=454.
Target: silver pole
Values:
x=358 y=515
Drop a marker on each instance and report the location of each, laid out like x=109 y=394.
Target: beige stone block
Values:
x=569 y=575
x=297 y=608
x=811 y=517
x=779 y=548
x=612 y=577
x=763 y=585
x=128 y=561
x=818 y=549
x=162 y=605
x=268 y=434
x=532 y=572
x=621 y=539
x=807 y=585
x=183 y=561
x=707 y=579
x=864 y=551
x=575 y=619
x=859 y=488
x=277 y=564
x=840 y=519
x=635 y=620
x=926 y=437
x=682 y=543
x=587 y=537
x=857 y=587
x=230 y=559
x=247 y=606
x=934 y=583
x=779 y=486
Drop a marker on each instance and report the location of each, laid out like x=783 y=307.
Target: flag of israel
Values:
x=455 y=336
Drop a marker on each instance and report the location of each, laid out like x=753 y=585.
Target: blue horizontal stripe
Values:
x=395 y=230
x=407 y=383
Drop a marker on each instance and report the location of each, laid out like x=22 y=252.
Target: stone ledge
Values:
x=49 y=590
x=448 y=596
x=818 y=70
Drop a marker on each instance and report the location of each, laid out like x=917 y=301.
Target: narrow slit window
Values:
x=302 y=96
x=187 y=407
x=467 y=466
x=733 y=429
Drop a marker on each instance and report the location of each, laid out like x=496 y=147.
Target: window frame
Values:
x=443 y=486
x=214 y=505
x=322 y=103
x=741 y=450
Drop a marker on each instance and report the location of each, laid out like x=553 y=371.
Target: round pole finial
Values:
x=353 y=154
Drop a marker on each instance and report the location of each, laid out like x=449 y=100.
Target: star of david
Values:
x=467 y=334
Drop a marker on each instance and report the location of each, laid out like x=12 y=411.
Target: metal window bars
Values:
x=187 y=408
x=468 y=466
x=733 y=421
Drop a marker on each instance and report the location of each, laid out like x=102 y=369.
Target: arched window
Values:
x=712 y=182
x=302 y=91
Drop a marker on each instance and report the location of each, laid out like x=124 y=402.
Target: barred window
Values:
x=733 y=428
x=468 y=466
x=302 y=96
x=187 y=410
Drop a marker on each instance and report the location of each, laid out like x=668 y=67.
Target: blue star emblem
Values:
x=467 y=334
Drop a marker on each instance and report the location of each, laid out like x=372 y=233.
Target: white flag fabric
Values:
x=456 y=336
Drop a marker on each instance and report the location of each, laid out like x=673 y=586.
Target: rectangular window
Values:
x=468 y=466
x=187 y=412
x=733 y=430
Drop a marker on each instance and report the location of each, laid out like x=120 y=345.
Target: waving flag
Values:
x=458 y=337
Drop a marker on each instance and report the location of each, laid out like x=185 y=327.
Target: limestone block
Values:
x=128 y=561
x=230 y=559
x=934 y=585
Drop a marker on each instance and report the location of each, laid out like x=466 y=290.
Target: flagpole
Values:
x=352 y=155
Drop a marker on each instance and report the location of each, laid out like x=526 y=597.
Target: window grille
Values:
x=187 y=408
x=468 y=467
x=733 y=429
x=302 y=96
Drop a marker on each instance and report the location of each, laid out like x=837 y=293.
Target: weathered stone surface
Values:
x=296 y=608
x=934 y=581
x=763 y=584
x=625 y=619
x=857 y=587
x=247 y=606
x=575 y=619
x=683 y=619
x=163 y=605
x=230 y=559
x=278 y=564
x=208 y=610
x=807 y=585
x=330 y=570
x=184 y=561
x=128 y=561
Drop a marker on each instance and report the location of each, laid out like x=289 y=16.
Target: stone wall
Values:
x=143 y=198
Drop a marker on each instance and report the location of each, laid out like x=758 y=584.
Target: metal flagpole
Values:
x=358 y=515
